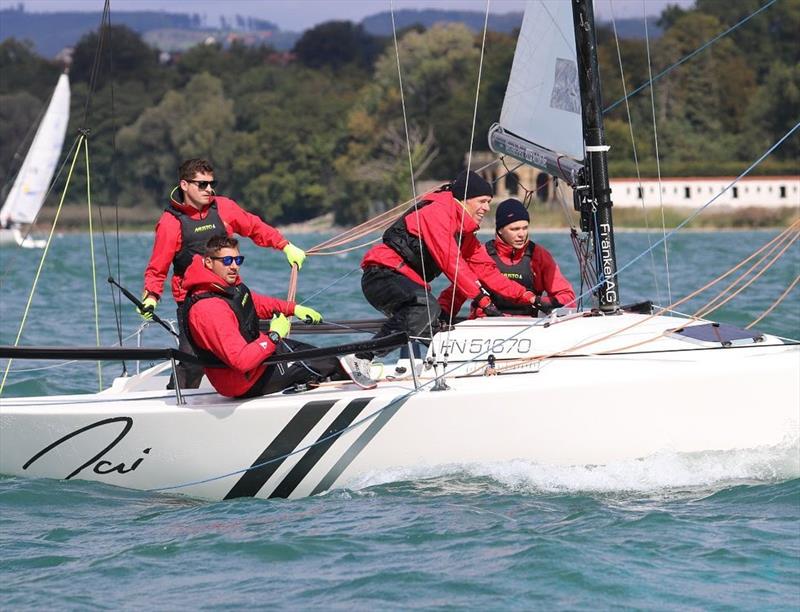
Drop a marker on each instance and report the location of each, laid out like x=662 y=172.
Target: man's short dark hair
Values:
x=217 y=243
x=192 y=167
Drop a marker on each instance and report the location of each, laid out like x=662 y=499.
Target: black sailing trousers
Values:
x=410 y=307
x=189 y=374
x=284 y=375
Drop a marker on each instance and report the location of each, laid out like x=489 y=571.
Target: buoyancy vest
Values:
x=414 y=252
x=195 y=234
x=519 y=272
x=240 y=301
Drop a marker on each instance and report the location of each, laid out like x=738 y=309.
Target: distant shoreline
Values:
x=73 y=219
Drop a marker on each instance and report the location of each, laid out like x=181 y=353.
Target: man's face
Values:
x=514 y=234
x=192 y=194
x=477 y=207
x=217 y=265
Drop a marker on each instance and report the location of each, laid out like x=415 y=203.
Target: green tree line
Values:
x=294 y=136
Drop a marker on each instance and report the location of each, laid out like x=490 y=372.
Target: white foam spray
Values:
x=665 y=470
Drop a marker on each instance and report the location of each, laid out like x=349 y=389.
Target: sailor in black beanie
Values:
x=468 y=185
x=438 y=236
x=531 y=265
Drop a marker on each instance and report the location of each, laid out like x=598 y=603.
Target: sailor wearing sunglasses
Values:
x=195 y=214
x=221 y=317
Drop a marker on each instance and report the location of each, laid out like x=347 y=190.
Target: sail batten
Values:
x=30 y=186
x=542 y=103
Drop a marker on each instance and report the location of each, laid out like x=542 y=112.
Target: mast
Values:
x=594 y=199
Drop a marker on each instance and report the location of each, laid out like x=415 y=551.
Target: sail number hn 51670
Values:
x=497 y=346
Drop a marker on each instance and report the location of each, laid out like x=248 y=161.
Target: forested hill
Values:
x=321 y=129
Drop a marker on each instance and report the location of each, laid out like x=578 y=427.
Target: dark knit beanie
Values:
x=508 y=211
x=473 y=183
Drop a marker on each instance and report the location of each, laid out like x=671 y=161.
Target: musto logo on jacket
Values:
x=195 y=234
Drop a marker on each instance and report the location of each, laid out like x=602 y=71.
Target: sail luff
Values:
x=33 y=180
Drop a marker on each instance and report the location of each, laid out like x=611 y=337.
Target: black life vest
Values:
x=414 y=251
x=240 y=300
x=195 y=234
x=519 y=272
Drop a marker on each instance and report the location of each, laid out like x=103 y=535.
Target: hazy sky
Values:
x=299 y=15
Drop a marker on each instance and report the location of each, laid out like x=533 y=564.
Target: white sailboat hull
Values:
x=685 y=398
x=14 y=236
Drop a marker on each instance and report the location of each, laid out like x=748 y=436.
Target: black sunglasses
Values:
x=229 y=259
x=203 y=185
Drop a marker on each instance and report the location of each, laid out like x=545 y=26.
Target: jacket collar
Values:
x=507 y=251
x=176 y=201
x=469 y=225
x=198 y=277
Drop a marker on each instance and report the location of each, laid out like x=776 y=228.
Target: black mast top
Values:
x=595 y=199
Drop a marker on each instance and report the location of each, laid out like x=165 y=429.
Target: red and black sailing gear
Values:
x=222 y=322
x=181 y=220
x=195 y=234
x=533 y=268
x=440 y=222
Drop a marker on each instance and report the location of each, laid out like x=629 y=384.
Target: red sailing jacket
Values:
x=438 y=224
x=215 y=328
x=547 y=277
x=168 y=240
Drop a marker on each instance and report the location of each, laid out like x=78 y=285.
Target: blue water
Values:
x=711 y=530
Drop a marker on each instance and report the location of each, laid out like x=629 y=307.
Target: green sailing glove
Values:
x=296 y=256
x=309 y=315
x=280 y=325
x=149 y=303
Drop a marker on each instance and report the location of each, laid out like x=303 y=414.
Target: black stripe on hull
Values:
x=284 y=443
x=351 y=453
x=320 y=447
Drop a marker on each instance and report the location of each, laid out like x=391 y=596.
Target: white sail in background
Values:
x=542 y=103
x=30 y=187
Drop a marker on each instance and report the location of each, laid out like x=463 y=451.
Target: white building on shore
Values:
x=758 y=191
x=515 y=180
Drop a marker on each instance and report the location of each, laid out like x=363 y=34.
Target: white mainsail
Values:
x=542 y=103
x=30 y=187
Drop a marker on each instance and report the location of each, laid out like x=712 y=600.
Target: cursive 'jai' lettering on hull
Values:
x=98 y=463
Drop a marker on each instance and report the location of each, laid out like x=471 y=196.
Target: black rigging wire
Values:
x=116 y=299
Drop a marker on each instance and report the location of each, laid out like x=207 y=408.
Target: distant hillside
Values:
x=380 y=24
x=51 y=32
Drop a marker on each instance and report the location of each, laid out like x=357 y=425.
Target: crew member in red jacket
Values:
x=221 y=316
x=437 y=237
x=521 y=260
x=194 y=214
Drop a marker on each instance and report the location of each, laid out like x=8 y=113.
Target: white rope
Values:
x=658 y=161
x=469 y=165
x=635 y=155
x=411 y=170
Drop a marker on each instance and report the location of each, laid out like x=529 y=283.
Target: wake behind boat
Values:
x=590 y=387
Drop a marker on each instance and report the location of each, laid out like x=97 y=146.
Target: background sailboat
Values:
x=32 y=183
